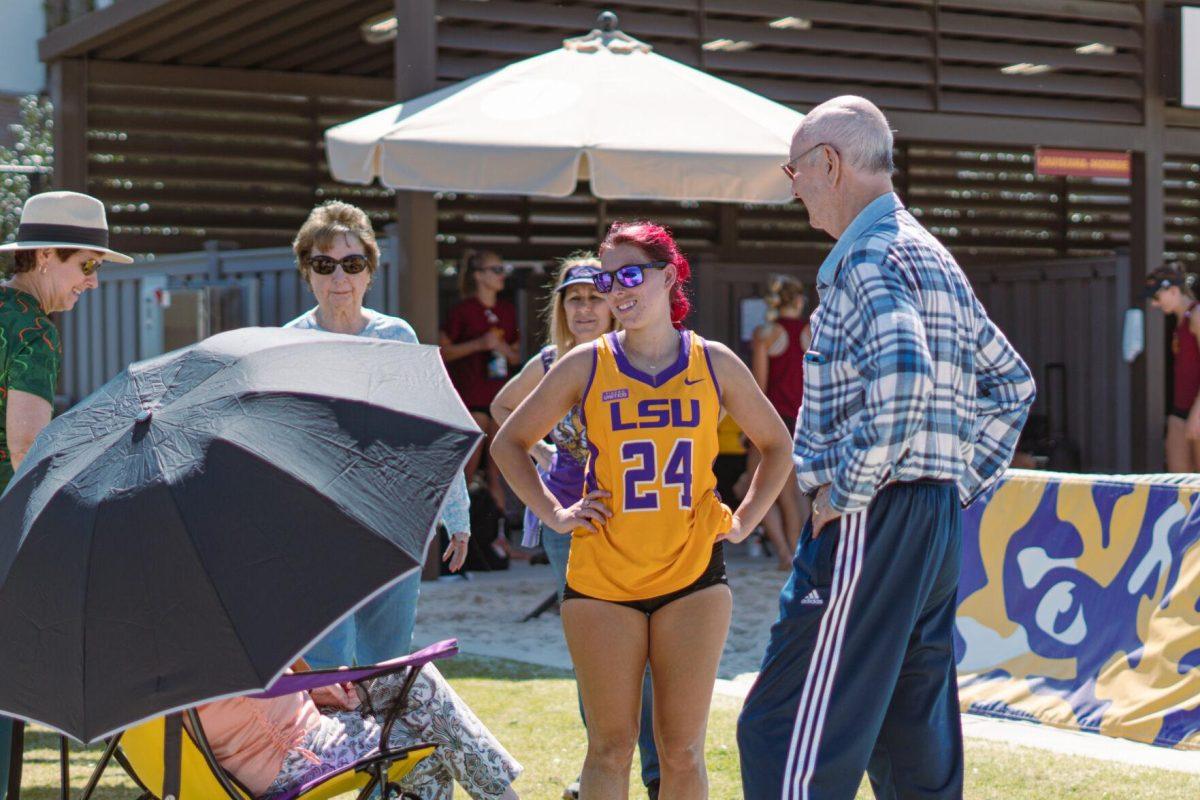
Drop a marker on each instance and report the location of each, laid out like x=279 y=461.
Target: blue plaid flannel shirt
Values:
x=907 y=378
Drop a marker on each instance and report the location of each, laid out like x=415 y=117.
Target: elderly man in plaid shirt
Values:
x=913 y=401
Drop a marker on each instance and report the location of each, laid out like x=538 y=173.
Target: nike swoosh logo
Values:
x=692 y=383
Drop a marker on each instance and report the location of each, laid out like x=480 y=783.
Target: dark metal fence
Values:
x=1065 y=317
x=115 y=324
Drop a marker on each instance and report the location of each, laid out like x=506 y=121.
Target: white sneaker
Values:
x=571 y=792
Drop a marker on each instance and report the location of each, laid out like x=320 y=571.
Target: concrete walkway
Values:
x=485 y=614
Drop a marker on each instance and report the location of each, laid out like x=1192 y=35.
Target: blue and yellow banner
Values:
x=1079 y=604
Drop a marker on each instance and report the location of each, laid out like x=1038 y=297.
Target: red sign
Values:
x=1082 y=163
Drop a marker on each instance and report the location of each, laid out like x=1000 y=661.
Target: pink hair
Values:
x=658 y=244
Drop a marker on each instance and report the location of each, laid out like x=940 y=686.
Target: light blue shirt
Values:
x=456 y=513
x=874 y=211
x=906 y=377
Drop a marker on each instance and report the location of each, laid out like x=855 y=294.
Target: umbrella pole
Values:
x=100 y=767
x=64 y=767
x=16 y=759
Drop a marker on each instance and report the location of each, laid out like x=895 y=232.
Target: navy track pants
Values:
x=859 y=673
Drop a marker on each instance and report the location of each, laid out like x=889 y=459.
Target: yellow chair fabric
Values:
x=143 y=747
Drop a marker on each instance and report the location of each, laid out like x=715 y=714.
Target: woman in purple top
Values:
x=577 y=315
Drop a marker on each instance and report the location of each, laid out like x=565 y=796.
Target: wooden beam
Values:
x=1014 y=131
x=179 y=24
x=821 y=11
x=379 y=65
x=1047 y=83
x=219 y=32
x=1004 y=53
x=1086 y=111
x=68 y=93
x=651 y=26
x=1147 y=387
x=102 y=26
x=810 y=93
x=1024 y=30
x=333 y=44
x=242 y=80
x=813 y=65
x=1095 y=10
x=258 y=36
x=310 y=25
x=1182 y=141
x=414 y=294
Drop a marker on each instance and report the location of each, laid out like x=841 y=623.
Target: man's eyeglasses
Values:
x=325 y=265
x=629 y=276
x=89 y=267
x=789 y=168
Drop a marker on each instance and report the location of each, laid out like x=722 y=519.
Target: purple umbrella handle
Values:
x=307 y=681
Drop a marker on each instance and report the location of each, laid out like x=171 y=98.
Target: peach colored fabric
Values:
x=251 y=737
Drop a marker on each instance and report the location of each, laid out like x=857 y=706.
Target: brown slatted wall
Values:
x=984 y=204
x=179 y=167
x=1181 y=187
x=920 y=55
x=182 y=166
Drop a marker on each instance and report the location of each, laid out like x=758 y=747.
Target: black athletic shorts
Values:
x=713 y=575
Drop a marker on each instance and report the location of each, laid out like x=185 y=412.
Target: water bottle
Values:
x=497 y=366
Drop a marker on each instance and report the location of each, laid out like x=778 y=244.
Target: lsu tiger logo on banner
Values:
x=1078 y=604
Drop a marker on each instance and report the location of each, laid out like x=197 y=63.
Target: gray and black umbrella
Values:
x=195 y=524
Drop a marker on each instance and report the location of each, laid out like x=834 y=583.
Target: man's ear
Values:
x=833 y=164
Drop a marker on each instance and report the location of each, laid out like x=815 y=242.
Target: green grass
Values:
x=533 y=711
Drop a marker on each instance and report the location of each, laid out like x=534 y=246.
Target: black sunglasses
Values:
x=325 y=265
x=629 y=276
x=497 y=269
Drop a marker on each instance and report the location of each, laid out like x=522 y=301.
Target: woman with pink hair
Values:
x=646 y=571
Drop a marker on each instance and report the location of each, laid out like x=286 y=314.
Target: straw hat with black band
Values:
x=64 y=219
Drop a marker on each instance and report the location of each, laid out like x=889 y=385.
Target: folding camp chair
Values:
x=170 y=761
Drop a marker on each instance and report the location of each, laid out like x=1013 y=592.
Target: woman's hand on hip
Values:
x=456 y=552
x=736 y=533
x=589 y=513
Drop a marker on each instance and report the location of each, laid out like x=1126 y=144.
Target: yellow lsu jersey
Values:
x=652 y=442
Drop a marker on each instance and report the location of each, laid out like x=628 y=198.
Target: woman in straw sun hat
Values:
x=62 y=240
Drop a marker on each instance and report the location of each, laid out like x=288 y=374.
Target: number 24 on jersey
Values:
x=649 y=473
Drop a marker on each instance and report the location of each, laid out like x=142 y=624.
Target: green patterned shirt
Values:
x=30 y=356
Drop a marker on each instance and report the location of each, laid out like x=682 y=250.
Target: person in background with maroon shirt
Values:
x=1170 y=290
x=479 y=342
x=777 y=361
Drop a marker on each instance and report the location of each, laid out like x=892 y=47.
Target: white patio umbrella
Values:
x=603 y=107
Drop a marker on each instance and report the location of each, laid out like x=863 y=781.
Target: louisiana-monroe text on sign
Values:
x=1082 y=163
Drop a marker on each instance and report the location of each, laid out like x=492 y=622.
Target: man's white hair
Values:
x=856 y=127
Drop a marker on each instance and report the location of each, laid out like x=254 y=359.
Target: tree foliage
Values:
x=33 y=146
